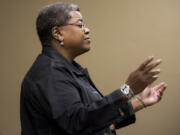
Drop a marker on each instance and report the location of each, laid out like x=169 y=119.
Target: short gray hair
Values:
x=56 y=14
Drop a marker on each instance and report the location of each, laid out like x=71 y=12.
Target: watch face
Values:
x=126 y=91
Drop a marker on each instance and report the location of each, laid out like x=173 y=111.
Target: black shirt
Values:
x=59 y=98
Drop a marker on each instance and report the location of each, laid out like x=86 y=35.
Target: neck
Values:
x=68 y=55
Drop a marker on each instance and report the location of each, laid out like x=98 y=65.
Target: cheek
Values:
x=75 y=39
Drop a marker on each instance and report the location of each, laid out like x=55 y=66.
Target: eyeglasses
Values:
x=82 y=25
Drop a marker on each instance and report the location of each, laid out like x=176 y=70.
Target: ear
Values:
x=56 y=33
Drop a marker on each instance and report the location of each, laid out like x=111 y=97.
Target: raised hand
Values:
x=144 y=75
x=149 y=96
x=153 y=95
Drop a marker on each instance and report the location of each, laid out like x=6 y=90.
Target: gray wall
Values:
x=123 y=32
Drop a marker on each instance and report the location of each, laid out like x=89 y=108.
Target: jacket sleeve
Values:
x=70 y=114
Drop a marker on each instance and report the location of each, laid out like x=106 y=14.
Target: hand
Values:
x=112 y=127
x=153 y=95
x=143 y=75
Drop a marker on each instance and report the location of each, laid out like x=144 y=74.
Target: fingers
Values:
x=146 y=62
x=159 y=97
x=154 y=72
x=157 y=87
x=160 y=88
x=153 y=75
x=149 y=74
x=144 y=75
x=153 y=65
x=152 y=79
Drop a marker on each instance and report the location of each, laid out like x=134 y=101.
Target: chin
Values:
x=85 y=48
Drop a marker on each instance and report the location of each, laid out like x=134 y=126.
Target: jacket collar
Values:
x=73 y=67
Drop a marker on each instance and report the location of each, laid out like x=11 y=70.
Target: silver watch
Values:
x=126 y=90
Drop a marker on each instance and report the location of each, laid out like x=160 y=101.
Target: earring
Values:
x=62 y=43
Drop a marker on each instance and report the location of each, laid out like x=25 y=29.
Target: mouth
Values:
x=87 y=39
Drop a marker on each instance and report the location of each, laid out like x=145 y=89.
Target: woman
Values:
x=58 y=95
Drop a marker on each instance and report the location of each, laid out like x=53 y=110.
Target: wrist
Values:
x=126 y=91
x=137 y=105
x=140 y=99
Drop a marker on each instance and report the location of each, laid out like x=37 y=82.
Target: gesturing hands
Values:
x=153 y=95
x=143 y=76
x=140 y=81
x=149 y=96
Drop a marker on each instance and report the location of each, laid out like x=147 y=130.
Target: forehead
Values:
x=76 y=16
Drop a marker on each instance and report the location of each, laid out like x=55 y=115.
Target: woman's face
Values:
x=76 y=35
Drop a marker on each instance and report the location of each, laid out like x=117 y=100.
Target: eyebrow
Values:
x=79 y=20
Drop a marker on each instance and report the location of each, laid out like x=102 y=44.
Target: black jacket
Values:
x=59 y=98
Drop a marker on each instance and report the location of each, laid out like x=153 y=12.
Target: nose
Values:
x=86 y=30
